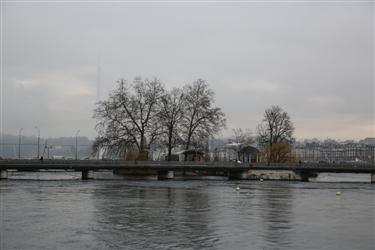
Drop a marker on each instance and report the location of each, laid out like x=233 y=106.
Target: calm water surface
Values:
x=118 y=214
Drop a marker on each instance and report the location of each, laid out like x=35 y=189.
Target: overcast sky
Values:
x=314 y=60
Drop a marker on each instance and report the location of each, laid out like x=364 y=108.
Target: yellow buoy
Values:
x=237 y=189
x=338 y=193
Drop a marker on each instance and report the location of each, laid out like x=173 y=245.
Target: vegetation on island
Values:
x=275 y=135
x=143 y=115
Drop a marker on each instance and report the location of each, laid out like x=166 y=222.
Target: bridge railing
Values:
x=119 y=162
x=183 y=163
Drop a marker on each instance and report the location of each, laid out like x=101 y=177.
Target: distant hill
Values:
x=61 y=147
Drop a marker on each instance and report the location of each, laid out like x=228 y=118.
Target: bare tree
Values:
x=128 y=119
x=201 y=119
x=171 y=114
x=276 y=127
x=240 y=138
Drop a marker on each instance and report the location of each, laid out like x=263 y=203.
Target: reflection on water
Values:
x=185 y=215
x=153 y=216
x=277 y=214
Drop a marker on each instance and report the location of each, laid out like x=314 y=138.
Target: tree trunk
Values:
x=170 y=145
x=187 y=146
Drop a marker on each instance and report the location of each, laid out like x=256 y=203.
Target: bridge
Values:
x=307 y=170
x=165 y=169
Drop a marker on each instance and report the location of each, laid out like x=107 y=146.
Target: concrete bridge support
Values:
x=87 y=174
x=165 y=175
x=238 y=174
x=4 y=174
x=305 y=175
x=373 y=178
x=137 y=174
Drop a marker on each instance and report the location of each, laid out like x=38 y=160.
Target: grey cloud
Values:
x=315 y=60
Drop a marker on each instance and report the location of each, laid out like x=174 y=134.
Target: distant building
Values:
x=190 y=155
x=236 y=152
x=368 y=141
x=249 y=154
x=338 y=152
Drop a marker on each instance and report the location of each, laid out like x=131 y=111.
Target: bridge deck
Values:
x=117 y=165
x=79 y=165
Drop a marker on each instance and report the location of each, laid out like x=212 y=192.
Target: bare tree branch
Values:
x=275 y=128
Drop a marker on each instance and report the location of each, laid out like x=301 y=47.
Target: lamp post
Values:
x=19 y=143
x=48 y=148
x=77 y=144
x=37 y=128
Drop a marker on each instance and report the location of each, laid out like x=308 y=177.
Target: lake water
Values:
x=118 y=214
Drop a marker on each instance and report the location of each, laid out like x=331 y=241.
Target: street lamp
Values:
x=48 y=148
x=37 y=128
x=77 y=144
x=19 y=143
